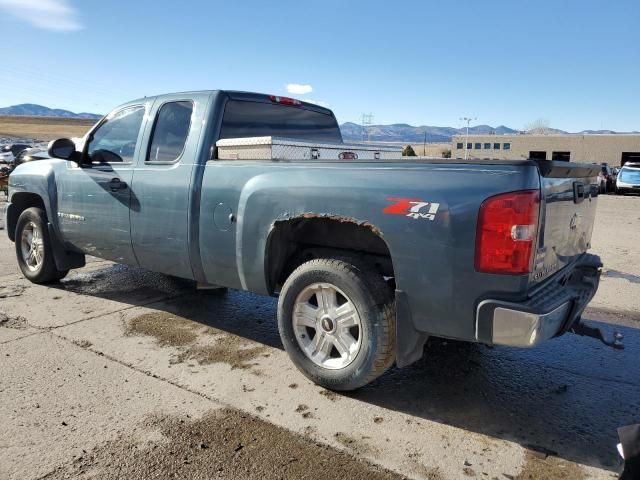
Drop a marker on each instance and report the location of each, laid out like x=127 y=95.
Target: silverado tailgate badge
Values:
x=412 y=208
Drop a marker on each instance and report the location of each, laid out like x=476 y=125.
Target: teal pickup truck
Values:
x=369 y=256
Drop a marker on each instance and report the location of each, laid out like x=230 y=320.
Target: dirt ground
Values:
x=226 y=444
x=43 y=128
x=117 y=372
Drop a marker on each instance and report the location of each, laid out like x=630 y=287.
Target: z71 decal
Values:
x=412 y=208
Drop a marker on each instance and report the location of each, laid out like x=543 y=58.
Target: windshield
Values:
x=256 y=119
x=629 y=176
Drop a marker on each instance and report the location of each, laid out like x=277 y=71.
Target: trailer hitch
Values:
x=580 y=328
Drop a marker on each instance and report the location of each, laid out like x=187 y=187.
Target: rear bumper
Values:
x=550 y=311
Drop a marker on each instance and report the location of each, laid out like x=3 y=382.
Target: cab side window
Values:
x=170 y=132
x=115 y=139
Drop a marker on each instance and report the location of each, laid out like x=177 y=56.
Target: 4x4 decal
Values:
x=412 y=208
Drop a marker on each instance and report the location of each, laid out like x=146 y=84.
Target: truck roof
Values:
x=241 y=95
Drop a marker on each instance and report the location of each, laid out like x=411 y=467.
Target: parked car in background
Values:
x=628 y=180
x=615 y=170
x=5 y=170
x=30 y=154
x=10 y=162
x=8 y=152
x=606 y=180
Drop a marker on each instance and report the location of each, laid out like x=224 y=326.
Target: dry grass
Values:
x=43 y=128
x=432 y=149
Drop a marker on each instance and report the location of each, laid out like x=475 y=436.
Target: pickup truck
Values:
x=368 y=258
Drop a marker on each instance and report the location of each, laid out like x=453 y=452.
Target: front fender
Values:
x=34 y=184
x=36 y=178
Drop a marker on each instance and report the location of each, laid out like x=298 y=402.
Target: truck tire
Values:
x=337 y=322
x=33 y=248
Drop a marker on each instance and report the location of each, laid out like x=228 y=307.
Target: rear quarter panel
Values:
x=433 y=260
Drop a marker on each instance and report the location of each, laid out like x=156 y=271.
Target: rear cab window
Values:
x=170 y=132
x=245 y=118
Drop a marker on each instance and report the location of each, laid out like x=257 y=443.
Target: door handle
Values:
x=116 y=184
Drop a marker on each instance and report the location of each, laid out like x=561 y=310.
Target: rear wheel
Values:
x=33 y=248
x=337 y=323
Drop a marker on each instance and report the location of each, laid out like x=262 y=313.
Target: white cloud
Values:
x=55 y=15
x=297 y=88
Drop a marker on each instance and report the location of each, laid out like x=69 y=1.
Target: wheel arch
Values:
x=296 y=240
x=20 y=201
x=362 y=239
x=65 y=259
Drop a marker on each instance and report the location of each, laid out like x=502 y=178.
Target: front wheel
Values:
x=337 y=323
x=33 y=248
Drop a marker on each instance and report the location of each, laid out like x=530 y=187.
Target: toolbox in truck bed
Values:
x=279 y=148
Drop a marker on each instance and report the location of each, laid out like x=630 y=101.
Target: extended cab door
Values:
x=94 y=198
x=162 y=184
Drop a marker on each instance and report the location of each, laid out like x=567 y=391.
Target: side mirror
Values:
x=61 y=148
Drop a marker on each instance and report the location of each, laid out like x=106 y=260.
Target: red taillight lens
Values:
x=284 y=100
x=506 y=234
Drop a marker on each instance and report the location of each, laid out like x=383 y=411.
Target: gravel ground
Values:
x=121 y=373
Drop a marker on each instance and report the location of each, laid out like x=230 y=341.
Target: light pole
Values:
x=466 y=139
x=367 y=121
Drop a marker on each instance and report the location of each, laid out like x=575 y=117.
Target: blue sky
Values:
x=574 y=63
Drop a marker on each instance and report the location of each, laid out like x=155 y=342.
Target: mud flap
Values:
x=65 y=259
x=409 y=341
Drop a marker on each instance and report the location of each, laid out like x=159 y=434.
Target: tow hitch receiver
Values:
x=580 y=328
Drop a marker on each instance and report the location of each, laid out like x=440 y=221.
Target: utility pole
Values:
x=466 y=139
x=424 y=144
x=367 y=120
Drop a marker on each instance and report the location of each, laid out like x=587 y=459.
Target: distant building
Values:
x=614 y=149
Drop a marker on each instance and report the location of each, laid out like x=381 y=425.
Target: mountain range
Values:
x=33 y=110
x=351 y=132
x=401 y=132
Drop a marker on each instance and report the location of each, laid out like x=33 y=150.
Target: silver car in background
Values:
x=628 y=180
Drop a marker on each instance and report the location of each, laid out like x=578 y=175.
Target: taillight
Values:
x=506 y=233
x=284 y=100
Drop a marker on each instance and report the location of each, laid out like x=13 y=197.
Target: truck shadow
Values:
x=625 y=276
x=564 y=398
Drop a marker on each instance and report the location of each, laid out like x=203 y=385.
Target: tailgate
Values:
x=567 y=214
